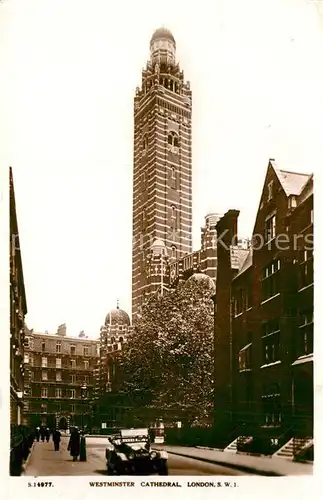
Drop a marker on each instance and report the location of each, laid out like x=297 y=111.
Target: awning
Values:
x=303 y=359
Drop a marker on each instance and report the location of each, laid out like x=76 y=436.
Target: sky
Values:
x=68 y=73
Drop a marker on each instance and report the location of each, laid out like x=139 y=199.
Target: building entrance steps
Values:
x=45 y=461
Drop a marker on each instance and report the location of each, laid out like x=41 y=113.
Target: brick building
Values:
x=264 y=316
x=18 y=310
x=162 y=178
x=59 y=378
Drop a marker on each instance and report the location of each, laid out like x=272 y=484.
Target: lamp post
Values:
x=83 y=395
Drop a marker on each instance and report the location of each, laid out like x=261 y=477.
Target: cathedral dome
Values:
x=162 y=33
x=200 y=277
x=117 y=317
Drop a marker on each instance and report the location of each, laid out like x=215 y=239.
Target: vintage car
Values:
x=129 y=452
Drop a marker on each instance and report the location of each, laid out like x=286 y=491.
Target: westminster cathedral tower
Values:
x=162 y=173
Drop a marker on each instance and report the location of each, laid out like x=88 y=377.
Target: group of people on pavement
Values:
x=76 y=445
x=44 y=433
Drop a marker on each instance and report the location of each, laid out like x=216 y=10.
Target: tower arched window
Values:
x=173 y=209
x=173 y=139
x=173 y=173
x=173 y=252
x=145 y=144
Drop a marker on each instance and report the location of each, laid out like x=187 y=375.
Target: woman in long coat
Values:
x=74 y=444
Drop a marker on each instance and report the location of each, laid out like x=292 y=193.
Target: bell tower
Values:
x=162 y=170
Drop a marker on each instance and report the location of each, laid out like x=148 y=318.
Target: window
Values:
x=306 y=268
x=270 y=190
x=58 y=392
x=43 y=346
x=270 y=280
x=121 y=339
x=145 y=144
x=73 y=350
x=238 y=302
x=26 y=342
x=85 y=351
x=73 y=408
x=58 y=347
x=245 y=358
x=86 y=379
x=86 y=365
x=44 y=376
x=44 y=362
x=73 y=393
x=271 y=341
x=44 y=392
x=73 y=379
x=173 y=173
x=26 y=358
x=305 y=333
x=58 y=408
x=173 y=140
x=73 y=364
x=58 y=376
x=270 y=228
x=271 y=405
x=58 y=363
x=173 y=211
x=173 y=250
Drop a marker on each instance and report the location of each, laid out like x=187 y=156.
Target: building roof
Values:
x=117 y=317
x=246 y=263
x=162 y=33
x=292 y=182
x=238 y=256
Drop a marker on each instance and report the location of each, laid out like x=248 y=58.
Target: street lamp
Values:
x=83 y=394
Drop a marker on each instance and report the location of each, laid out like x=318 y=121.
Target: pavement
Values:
x=44 y=461
x=259 y=465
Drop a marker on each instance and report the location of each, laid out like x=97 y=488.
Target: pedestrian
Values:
x=42 y=433
x=74 y=444
x=47 y=434
x=56 y=439
x=37 y=433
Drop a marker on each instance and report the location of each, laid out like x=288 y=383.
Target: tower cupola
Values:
x=163 y=47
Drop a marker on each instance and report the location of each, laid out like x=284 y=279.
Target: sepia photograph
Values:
x=157 y=163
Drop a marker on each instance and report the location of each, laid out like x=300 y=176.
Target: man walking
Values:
x=56 y=439
x=74 y=444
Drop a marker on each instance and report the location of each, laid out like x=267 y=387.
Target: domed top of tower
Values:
x=161 y=34
x=158 y=247
x=200 y=277
x=117 y=317
x=163 y=48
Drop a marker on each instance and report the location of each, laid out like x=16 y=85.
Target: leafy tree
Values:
x=167 y=363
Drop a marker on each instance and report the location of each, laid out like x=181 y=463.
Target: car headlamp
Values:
x=154 y=454
x=131 y=455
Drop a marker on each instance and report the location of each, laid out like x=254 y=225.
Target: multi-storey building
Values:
x=59 y=378
x=18 y=310
x=162 y=175
x=264 y=318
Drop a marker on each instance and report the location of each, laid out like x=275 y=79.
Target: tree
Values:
x=168 y=361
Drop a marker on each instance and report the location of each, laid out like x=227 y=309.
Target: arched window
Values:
x=113 y=340
x=120 y=339
x=173 y=173
x=145 y=144
x=173 y=139
x=173 y=252
x=173 y=209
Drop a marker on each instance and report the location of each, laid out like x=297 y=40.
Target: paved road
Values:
x=44 y=461
x=177 y=466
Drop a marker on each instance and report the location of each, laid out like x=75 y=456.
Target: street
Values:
x=44 y=461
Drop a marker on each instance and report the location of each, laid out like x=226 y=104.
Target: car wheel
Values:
x=163 y=469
